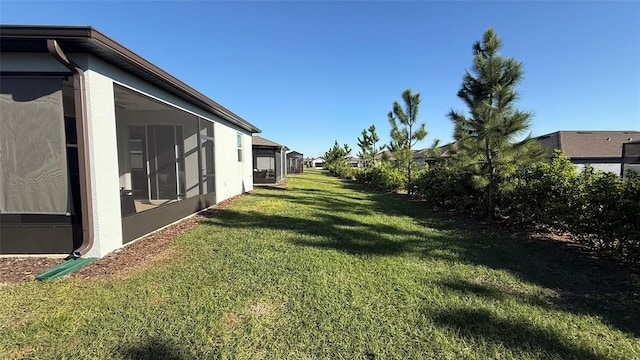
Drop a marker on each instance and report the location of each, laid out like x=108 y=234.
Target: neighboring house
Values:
x=419 y=156
x=295 y=163
x=630 y=157
x=100 y=147
x=444 y=151
x=356 y=162
x=269 y=161
x=384 y=154
x=600 y=149
x=317 y=163
x=308 y=162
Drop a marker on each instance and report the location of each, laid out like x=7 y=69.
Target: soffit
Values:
x=17 y=38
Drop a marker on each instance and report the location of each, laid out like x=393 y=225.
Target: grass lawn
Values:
x=325 y=269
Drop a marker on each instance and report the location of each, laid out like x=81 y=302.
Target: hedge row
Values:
x=598 y=208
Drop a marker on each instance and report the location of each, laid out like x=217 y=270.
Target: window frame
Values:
x=239 y=143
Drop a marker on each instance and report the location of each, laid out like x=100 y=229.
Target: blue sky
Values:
x=308 y=73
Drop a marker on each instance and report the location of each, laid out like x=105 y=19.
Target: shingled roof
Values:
x=260 y=141
x=589 y=144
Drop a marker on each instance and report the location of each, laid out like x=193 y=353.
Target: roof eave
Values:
x=117 y=50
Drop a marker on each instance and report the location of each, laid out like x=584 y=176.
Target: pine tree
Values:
x=487 y=138
x=337 y=154
x=403 y=138
x=368 y=145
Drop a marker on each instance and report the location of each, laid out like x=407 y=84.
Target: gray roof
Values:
x=260 y=141
x=85 y=39
x=589 y=144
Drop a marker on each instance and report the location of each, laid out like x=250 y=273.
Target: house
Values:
x=317 y=163
x=630 y=157
x=100 y=147
x=295 y=163
x=356 y=162
x=600 y=149
x=269 y=161
x=420 y=157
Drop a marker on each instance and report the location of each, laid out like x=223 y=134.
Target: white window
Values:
x=239 y=147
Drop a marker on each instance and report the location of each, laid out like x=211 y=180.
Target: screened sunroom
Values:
x=269 y=161
x=165 y=156
x=295 y=163
x=100 y=147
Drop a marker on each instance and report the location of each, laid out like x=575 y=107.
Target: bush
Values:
x=608 y=218
x=362 y=175
x=629 y=212
x=386 y=177
x=446 y=187
x=543 y=194
x=599 y=208
x=340 y=169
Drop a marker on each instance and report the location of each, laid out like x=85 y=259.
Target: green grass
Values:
x=325 y=269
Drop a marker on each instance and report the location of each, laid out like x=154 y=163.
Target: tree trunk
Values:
x=409 y=190
x=490 y=201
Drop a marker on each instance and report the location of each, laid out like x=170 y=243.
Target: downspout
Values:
x=86 y=208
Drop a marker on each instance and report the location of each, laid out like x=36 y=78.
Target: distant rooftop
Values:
x=260 y=141
x=589 y=144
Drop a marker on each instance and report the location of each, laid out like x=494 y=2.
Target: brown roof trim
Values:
x=86 y=38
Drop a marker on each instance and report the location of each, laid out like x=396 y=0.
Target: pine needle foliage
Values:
x=488 y=136
x=368 y=145
x=405 y=131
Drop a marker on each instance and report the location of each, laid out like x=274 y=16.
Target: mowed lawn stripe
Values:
x=323 y=268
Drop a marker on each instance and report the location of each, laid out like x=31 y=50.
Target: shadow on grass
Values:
x=331 y=231
x=494 y=291
x=585 y=285
x=522 y=337
x=151 y=349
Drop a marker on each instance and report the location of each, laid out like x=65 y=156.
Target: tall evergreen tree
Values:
x=487 y=137
x=403 y=134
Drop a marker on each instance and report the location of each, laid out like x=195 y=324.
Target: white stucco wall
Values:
x=232 y=177
x=610 y=167
x=103 y=159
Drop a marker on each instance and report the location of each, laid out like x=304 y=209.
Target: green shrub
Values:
x=608 y=218
x=340 y=168
x=362 y=175
x=629 y=212
x=597 y=207
x=386 y=177
x=448 y=187
x=544 y=194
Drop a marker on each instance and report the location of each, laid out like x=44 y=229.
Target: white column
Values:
x=103 y=157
